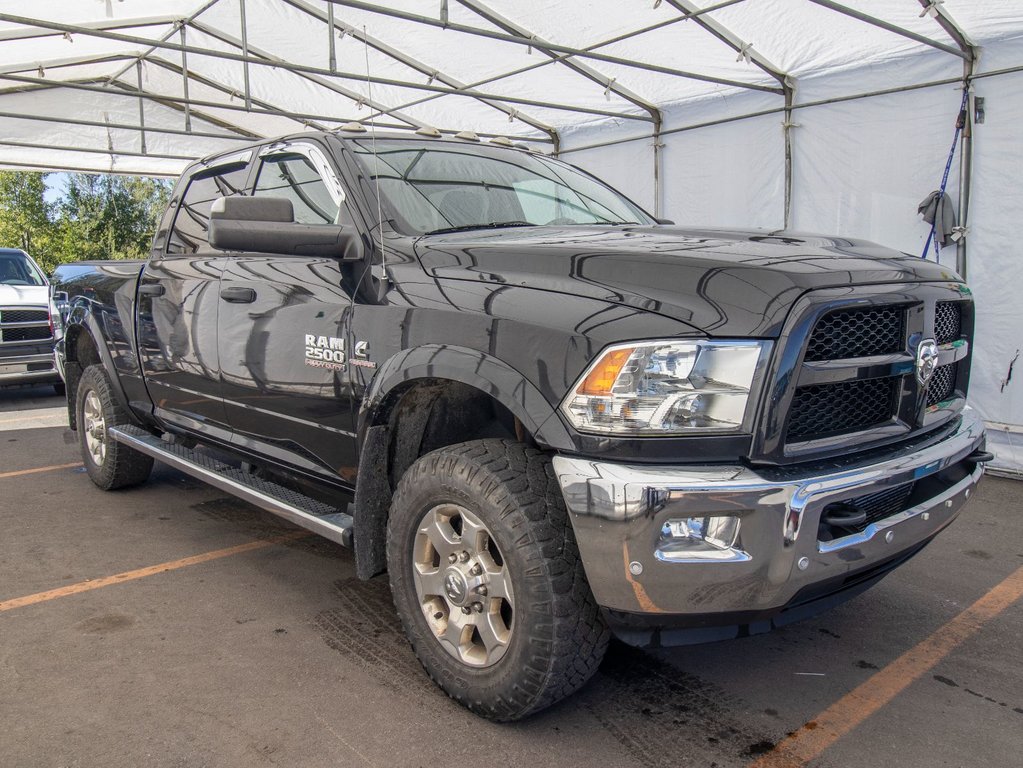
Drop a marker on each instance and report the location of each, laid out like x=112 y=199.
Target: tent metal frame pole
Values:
x=245 y=52
x=355 y=96
x=788 y=86
x=531 y=43
x=560 y=57
x=29 y=32
x=184 y=80
x=77 y=61
x=581 y=68
x=125 y=126
x=227 y=56
x=142 y=106
x=331 y=44
x=152 y=49
x=186 y=103
x=92 y=151
x=43 y=168
x=125 y=90
x=729 y=38
x=794 y=107
x=970 y=53
x=420 y=66
x=881 y=24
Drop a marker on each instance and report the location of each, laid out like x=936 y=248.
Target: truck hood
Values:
x=720 y=282
x=24 y=295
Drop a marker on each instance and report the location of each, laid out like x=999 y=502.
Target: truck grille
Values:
x=825 y=409
x=19 y=325
x=24 y=316
x=857 y=332
x=942 y=384
x=948 y=321
x=849 y=370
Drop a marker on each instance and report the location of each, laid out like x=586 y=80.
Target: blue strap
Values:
x=960 y=123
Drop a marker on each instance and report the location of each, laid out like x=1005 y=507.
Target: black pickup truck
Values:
x=547 y=415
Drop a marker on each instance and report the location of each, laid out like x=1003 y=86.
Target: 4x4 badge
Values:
x=926 y=360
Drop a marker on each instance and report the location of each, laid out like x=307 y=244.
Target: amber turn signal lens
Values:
x=605 y=373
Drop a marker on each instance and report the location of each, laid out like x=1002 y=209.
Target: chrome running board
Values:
x=293 y=506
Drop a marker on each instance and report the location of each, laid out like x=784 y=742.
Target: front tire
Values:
x=110 y=464
x=487 y=579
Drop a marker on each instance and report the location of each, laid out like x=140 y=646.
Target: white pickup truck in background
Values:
x=26 y=328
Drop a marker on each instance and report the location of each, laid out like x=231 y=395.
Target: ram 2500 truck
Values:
x=546 y=415
x=26 y=332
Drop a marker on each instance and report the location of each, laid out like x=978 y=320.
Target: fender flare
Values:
x=476 y=369
x=80 y=321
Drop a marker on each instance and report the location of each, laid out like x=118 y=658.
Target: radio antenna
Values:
x=376 y=158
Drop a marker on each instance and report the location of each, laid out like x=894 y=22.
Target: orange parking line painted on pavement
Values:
x=21 y=472
x=856 y=706
x=120 y=578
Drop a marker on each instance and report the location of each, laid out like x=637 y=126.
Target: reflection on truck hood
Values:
x=725 y=283
x=19 y=295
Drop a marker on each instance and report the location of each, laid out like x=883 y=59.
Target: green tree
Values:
x=26 y=219
x=109 y=217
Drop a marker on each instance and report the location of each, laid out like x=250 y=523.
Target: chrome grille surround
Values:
x=21 y=325
x=787 y=435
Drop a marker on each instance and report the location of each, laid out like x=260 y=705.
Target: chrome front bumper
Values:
x=618 y=513
x=17 y=369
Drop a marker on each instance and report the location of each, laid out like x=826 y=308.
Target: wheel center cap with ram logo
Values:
x=926 y=360
x=455 y=586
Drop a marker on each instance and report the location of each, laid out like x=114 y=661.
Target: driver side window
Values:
x=293 y=175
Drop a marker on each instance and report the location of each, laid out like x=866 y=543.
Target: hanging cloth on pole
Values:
x=937 y=207
x=938 y=211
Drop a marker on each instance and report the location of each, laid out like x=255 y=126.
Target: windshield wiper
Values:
x=491 y=225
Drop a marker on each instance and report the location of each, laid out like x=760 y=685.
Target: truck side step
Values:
x=327 y=521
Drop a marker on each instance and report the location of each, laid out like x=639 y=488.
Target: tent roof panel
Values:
x=611 y=64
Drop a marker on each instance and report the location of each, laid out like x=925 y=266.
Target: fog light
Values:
x=701 y=539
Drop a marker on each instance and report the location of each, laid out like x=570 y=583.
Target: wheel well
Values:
x=414 y=420
x=80 y=352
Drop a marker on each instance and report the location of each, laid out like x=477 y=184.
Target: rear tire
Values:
x=110 y=464
x=482 y=526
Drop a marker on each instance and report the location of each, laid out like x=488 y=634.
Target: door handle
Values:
x=237 y=295
x=152 y=289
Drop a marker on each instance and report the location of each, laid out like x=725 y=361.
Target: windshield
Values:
x=433 y=187
x=17 y=269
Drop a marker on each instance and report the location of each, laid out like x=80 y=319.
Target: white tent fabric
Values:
x=812 y=114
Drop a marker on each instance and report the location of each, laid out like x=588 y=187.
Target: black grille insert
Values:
x=851 y=406
x=942 y=385
x=24 y=316
x=876 y=506
x=857 y=333
x=948 y=321
x=38 y=333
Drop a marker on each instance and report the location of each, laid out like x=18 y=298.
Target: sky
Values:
x=55 y=183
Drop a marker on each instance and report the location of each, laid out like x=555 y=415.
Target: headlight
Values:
x=666 y=388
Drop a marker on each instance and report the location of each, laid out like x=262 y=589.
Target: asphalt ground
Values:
x=170 y=625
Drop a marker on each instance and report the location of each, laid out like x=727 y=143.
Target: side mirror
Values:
x=267 y=225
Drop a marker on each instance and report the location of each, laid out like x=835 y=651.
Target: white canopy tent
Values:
x=808 y=114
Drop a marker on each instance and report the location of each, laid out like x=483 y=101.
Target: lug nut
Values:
x=464 y=557
x=476 y=570
x=466 y=609
x=452 y=557
x=478 y=607
x=481 y=591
